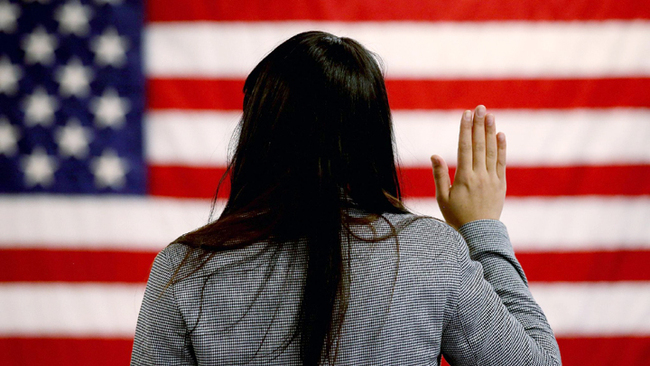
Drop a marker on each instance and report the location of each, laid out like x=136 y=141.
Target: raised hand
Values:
x=479 y=188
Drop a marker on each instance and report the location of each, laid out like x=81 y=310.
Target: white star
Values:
x=74 y=79
x=111 y=2
x=9 y=136
x=9 y=76
x=73 y=139
x=39 y=47
x=39 y=108
x=39 y=168
x=109 y=170
x=73 y=18
x=110 y=110
x=9 y=13
x=110 y=48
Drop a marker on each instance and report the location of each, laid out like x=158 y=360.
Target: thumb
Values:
x=441 y=177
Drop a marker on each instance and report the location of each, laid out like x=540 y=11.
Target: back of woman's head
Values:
x=316 y=123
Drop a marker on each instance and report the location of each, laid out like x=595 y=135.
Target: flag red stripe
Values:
x=621 y=265
x=226 y=94
x=618 y=180
x=38 y=265
x=57 y=265
x=418 y=10
x=605 y=351
x=630 y=351
x=533 y=94
x=65 y=351
x=187 y=181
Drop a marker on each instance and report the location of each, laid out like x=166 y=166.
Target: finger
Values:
x=490 y=143
x=441 y=178
x=465 y=142
x=478 y=138
x=501 y=155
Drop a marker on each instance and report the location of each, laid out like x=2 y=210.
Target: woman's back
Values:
x=409 y=300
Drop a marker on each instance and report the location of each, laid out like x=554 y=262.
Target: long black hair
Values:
x=315 y=139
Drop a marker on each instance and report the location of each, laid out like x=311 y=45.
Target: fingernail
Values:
x=489 y=119
x=467 y=115
x=480 y=111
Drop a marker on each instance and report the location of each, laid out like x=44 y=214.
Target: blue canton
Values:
x=71 y=97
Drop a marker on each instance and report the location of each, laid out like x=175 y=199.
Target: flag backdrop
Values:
x=116 y=117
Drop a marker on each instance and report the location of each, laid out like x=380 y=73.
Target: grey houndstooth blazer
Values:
x=431 y=292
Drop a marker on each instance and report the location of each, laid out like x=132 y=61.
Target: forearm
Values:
x=489 y=245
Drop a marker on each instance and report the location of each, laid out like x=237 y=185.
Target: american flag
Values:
x=116 y=117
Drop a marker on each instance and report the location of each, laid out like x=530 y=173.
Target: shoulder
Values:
x=165 y=264
x=168 y=259
x=429 y=252
x=176 y=262
x=426 y=228
x=425 y=236
x=188 y=264
x=172 y=255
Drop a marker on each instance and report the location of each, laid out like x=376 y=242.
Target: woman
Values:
x=315 y=260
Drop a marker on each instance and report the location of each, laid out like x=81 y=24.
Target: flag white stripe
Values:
x=598 y=309
x=120 y=223
x=69 y=310
x=568 y=224
x=190 y=138
x=534 y=224
x=110 y=310
x=414 y=49
x=535 y=137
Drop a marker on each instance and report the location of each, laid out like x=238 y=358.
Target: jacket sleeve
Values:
x=494 y=319
x=161 y=336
